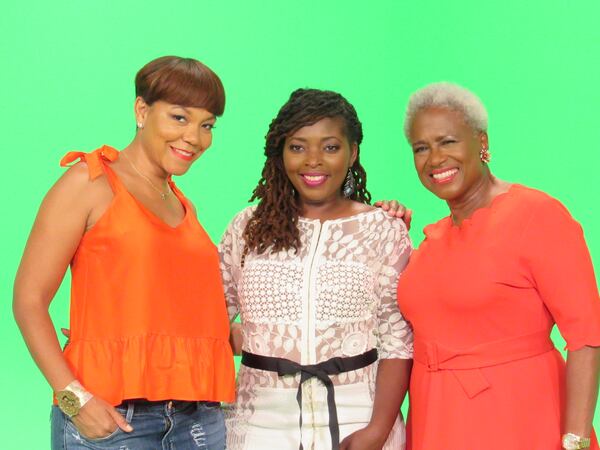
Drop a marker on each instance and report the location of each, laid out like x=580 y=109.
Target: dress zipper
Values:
x=310 y=323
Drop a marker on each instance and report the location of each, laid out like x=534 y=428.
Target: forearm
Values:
x=583 y=366
x=235 y=338
x=39 y=335
x=390 y=389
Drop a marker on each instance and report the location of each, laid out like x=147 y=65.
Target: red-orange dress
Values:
x=482 y=298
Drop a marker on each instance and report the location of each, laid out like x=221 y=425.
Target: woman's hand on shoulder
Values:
x=396 y=209
x=97 y=419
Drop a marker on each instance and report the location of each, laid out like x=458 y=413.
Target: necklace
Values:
x=163 y=195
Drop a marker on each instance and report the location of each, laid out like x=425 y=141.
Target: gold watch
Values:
x=571 y=441
x=72 y=398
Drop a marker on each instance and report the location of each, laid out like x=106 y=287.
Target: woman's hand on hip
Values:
x=97 y=419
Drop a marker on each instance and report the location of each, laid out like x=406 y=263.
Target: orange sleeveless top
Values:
x=148 y=316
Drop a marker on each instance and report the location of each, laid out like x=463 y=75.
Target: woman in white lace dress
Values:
x=312 y=270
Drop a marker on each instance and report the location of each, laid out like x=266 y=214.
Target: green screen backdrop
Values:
x=67 y=83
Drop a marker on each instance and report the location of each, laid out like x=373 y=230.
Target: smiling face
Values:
x=446 y=153
x=173 y=136
x=316 y=160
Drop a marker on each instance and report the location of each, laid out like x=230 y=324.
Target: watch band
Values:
x=72 y=398
x=571 y=441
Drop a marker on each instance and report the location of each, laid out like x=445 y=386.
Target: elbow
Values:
x=27 y=305
x=19 y=308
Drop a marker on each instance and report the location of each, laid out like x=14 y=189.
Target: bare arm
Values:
x=583 y=367
x=393 y=376
x=56 y=232
x=236 y=339
x=390 y=389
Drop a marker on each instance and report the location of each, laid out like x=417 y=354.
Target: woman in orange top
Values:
x=148 y=360
x=484 y=290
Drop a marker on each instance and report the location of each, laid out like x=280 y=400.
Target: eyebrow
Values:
x=437 y=139
x=212 y=116
x=322 y=139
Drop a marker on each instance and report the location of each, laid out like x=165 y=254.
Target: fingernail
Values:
x=129 y=428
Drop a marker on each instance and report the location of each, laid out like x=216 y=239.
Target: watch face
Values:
x=573 y=442
x=68 y=402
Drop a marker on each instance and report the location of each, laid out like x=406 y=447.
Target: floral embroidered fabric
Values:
x=335 y=298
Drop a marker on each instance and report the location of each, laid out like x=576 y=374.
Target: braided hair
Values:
x=273 y=224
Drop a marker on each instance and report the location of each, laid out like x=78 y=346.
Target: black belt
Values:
x=322 y=371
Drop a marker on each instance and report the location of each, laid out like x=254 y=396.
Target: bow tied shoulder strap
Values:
x=94 y=160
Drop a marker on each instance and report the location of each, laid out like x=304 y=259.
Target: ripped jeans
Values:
x=164 y=425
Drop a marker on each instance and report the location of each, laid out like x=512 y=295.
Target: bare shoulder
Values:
x=75 y=189
x=72 y=184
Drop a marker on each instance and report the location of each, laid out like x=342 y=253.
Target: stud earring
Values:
x=140 y=126
x=485 y=155
x=349 y=184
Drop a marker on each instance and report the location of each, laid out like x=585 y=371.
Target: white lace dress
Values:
x=335 y=298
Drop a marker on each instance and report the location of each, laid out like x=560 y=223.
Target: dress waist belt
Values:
x=466 y=364
x=322 y=371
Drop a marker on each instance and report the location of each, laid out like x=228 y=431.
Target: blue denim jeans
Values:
x=164 y=425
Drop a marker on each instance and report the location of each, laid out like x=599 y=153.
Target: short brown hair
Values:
x=182 y=81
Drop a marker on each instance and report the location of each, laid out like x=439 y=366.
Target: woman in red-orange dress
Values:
x=483 y=292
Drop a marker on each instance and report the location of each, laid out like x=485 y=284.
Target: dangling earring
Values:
x=349 y=184
x=485 y=155
x=140 y=126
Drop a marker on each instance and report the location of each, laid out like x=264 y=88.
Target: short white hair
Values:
x=447 y=95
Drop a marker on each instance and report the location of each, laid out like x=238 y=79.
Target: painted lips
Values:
x=313 y=179
x=444 y=176
x=186 y=156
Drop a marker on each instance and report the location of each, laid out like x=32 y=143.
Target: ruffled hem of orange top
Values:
x=155 y=367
